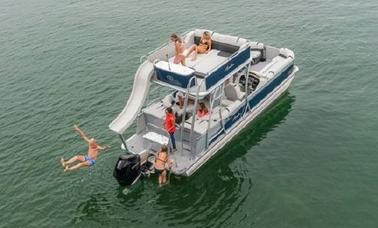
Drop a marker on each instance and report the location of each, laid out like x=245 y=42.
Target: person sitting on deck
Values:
x=176 y=102
x=180 y=98
x=162 y=164
x=80 y=161
x=179 y=49
x=202 y=111
x=203 y=47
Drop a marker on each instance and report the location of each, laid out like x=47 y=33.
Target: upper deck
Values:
x=228 y=55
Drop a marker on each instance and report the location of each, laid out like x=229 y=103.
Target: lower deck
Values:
x=193 y=146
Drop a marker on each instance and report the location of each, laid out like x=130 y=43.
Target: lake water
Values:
x=311 y=160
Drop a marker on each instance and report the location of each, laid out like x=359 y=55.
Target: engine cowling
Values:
x=127 y=169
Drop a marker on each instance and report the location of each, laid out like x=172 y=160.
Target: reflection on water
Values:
x=207 y=199
x=92 y=209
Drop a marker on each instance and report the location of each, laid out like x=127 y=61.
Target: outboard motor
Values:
x=128 y=169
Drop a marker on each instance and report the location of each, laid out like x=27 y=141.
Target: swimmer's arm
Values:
x=81 y=133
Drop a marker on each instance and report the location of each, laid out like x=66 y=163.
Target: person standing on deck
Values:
x=169 y=125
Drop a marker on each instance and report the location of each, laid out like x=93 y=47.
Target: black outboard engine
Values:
x=128 y=169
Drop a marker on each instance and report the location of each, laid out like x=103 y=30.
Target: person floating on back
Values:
x=80 y=161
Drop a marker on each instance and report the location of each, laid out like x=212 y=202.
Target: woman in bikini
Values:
x=179 y=49
x=162 y=163
x=204 y=45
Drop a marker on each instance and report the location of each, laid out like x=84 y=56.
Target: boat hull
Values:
x=248 y=117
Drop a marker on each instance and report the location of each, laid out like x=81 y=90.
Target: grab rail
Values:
x=194 y=115
x=217 y=96
x=185 y=105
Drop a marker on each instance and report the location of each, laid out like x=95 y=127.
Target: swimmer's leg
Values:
x=74 y=159
x=77 y=166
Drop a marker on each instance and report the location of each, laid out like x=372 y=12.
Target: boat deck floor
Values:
x=182 y=160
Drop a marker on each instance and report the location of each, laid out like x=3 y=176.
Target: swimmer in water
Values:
x=80 y=161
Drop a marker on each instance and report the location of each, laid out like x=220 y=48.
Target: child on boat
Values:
x=80 y=161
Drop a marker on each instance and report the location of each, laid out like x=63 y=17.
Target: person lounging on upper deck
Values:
x=203 y=47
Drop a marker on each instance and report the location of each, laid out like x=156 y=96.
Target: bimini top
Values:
x=228 y=55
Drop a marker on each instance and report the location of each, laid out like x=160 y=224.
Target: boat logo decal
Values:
x=172 y=80
x=229 y=66
x=236 y=117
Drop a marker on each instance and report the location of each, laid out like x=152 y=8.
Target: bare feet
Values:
x=63 y=162
x=66 y=168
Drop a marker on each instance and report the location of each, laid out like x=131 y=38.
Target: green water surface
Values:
x=310 y=161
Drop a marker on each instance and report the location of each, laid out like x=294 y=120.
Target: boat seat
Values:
x=233 y=92
x=168 y=101
x=156 y=138
x=204 y=63
x=256 y=56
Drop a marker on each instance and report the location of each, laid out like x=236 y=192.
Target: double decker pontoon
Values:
x=236 y=80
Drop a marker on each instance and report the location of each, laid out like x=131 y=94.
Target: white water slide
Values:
x=142 y=81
